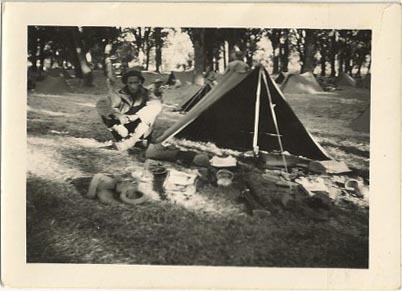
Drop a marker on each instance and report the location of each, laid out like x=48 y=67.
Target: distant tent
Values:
x=365 y=82
x=53 y=85
x=238 y=113
x=345 y=79
x=301 y=83
x=193 y=98
x=362 y=122
x=281 y=77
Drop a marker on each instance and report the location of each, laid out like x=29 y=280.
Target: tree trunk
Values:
x=359 y=64
x=41 y=56
x=208 y=57
x=333 y=54
x=308 y=61
x=285 y=56
x=209 y=47
x=148 y=46
x=231 y=39
x=275 y=61
x=41 y=60
x=148 y=52
x=347 y=65
x=340 y=63
x=34 y=61
x=224 y=56
x=359 y=71
x=369 y=67
x=85 y=69
x=199 y=44
x=158 y=49
x=333 y=59
x=75 y=62
x=323 y=64
x=33 y=46
x=351 y=65
x=274 y=37
x=216 y=59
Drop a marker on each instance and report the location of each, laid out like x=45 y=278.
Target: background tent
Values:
x=301 y=83
x=226 y=116
x=281 y=77
x=194 y=97
x=362 y=123
x=345 y=79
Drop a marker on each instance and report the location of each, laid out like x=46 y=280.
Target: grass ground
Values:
x=65 y=137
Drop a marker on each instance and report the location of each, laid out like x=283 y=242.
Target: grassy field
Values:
x=65 y=139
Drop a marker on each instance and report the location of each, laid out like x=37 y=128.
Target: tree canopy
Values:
x=327 y=52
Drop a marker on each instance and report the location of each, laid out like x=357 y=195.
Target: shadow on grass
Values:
x=64 y=227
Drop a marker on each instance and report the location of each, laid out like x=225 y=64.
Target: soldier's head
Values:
x=133 y=79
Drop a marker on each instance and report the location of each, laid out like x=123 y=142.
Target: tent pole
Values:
x=257 y=115
x=271 y=106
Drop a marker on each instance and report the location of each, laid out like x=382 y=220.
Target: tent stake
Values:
x=257 y=115
x=271 y=106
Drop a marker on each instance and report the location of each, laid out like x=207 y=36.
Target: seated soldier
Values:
x=171 y=81
x=130 y=114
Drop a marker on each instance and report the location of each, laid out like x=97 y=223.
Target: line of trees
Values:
x=333 y=51
x=343 y=50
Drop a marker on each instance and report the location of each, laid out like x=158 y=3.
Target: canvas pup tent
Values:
x=300 y=84
x=247 y=111
x=345 y=79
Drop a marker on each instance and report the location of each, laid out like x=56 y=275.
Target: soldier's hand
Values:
x=123 y=119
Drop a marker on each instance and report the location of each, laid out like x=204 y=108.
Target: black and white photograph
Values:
x=209 y=146
x=198 y=146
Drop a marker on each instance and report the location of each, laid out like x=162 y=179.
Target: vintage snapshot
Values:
x=222 y=146
x=198 y=146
